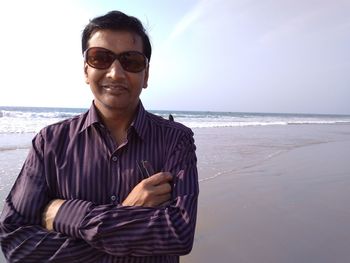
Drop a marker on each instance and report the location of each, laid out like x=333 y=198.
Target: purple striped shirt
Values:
x=78 y=160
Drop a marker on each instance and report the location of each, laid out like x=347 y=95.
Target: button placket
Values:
x=114 y=198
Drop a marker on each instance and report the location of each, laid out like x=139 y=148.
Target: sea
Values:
x=32 y=119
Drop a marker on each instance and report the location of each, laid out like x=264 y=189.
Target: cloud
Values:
x=189 y=19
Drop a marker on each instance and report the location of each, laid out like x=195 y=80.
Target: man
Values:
x=116 y=184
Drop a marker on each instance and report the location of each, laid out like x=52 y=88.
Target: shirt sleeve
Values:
x=141 y=231
x=21 y=235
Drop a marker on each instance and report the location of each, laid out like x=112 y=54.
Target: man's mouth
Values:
x=115 y=89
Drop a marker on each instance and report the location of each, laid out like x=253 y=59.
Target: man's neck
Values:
x=117 y=120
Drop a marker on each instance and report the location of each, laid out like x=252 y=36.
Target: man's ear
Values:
x=86 y=73
x=145 y=80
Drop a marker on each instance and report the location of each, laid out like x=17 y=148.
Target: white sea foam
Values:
x=31 y=120
x=204 y=123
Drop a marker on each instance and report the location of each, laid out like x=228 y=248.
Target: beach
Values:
x=288 y=202
x=277 y=193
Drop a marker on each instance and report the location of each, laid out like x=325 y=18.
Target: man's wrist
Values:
x=50 y=213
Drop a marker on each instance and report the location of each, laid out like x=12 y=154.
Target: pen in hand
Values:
x=152 y=191
x=145 y=168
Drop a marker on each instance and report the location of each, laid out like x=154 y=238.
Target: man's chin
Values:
x=116 y=104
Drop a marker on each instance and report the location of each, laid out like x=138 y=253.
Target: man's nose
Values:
x=116 y=71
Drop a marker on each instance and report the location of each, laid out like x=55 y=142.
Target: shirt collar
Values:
x=91 y=118
x=139 y=122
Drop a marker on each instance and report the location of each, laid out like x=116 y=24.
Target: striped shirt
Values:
x=79 y=161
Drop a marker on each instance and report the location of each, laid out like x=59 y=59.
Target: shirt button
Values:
x=114 y=158
x=113 y=198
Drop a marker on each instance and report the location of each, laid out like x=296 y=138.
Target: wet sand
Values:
x=292 y=207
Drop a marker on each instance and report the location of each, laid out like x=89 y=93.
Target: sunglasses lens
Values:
x=132 y=61
x=100 y=58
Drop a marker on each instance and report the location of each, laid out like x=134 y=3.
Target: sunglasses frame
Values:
x=116 y=57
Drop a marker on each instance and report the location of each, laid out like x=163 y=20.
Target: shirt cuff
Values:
x=69 y=217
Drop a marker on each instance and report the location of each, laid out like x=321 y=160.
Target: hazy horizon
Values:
x=184 y=110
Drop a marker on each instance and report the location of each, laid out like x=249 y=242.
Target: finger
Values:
x=165 y=198
x=162 y=199
x=160 y=178
x=161 y=189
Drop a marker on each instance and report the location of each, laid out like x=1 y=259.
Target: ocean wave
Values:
x=34 y=115
x=256 y=123
x=13 y=148
x=34 y=126
x=32 y=120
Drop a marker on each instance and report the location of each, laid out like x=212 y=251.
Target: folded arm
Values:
x=82 y=228
x=22 y=237
x=137 y=229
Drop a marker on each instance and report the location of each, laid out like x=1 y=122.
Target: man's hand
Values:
x=150 y=192
x=50 y=212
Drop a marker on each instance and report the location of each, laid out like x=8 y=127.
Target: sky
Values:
x=283 y=56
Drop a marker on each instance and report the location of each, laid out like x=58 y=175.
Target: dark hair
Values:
x=116 y=20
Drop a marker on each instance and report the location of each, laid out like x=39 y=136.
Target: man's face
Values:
x=114 y=88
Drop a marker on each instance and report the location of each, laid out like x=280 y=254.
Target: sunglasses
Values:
x=101 y=58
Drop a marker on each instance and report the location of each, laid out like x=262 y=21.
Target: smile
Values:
x=115 y=89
